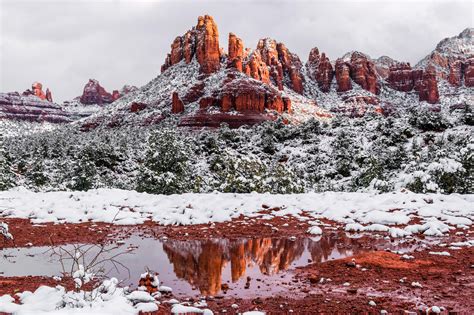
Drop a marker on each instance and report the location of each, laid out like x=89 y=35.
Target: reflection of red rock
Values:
x=177 y=105
x=202 y=42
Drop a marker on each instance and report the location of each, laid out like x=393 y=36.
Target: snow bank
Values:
x=376 y=211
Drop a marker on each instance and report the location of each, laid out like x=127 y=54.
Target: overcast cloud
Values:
x=64 y=43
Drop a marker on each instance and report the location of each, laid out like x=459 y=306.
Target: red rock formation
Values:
x=207 y=45
x=38 y=90
x=236 y=52
x=94 y=93
x=177 y=105
x=320 y=69
x=247 y=95
x=428 y=90
x=49 y=96
x=272 y=61
x=382 y=66
x=287 y=105
x=455 y=72
x=417 y=79
x=401 y=77
x=343 y=78
x=136 y=107
x=359 y=106
x=363 y=72
x=202 y=42
x=115 y=95
x=27 y=107
x=206 y=102
x=291 y=64
x=257 y=68
x=469 y=73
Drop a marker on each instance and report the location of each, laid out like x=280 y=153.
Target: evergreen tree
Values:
x=166 y=169
x=6 y=173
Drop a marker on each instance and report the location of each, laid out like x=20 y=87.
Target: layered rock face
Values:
x=405 y=79
x=343 y=75
x=461 y=71
x=363 y=72
x=451 y=57
x=202 y=41
x=177 y=105
x=320 y=69
x=30 y=108
x=248 y=95
x=94 y=93
x=428 y=89
x=401 y=77
x=469 y=73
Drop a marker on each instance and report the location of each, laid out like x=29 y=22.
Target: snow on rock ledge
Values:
x=377 y=211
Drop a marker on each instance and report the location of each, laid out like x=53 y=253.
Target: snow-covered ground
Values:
x=107 y=298
x=358 y=211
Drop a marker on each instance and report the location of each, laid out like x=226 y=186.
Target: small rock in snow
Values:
x=372 y=303
x=435 y=309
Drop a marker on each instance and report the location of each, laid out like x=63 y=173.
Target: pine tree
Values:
x=6 y=173
x=166 y=169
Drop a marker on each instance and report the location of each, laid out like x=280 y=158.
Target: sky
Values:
x=63 y=43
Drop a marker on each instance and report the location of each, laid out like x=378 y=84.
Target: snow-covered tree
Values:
x=6 y=174
x=166 y=169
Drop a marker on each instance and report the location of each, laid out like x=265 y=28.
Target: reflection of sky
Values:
x=204 y=265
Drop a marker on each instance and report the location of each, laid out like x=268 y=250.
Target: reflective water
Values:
x=197 y=267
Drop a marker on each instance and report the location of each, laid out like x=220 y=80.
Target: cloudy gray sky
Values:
x=63 y=43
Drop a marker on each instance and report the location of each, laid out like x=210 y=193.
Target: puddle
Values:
x=200 y=267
